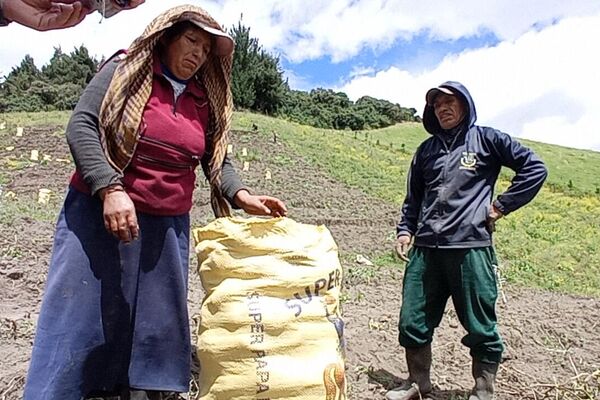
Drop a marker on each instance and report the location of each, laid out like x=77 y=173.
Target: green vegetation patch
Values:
x=553 y=243
x=24 y=119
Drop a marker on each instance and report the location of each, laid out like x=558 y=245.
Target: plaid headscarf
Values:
x=130 y=88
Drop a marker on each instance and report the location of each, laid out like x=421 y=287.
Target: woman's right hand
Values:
x=120 y=218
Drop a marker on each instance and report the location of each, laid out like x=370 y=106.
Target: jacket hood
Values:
x=430 y=121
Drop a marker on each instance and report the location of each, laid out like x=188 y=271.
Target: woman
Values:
x=114 y=315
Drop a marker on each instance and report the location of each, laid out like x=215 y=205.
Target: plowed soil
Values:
x=552 y=340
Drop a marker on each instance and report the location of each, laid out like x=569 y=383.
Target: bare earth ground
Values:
x=553 y=348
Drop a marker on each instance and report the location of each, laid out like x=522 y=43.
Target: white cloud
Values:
x=543 y=86
x=301 y=30
x=297 y=82
x=361 y=71
x=542 y=77
x=341 y=29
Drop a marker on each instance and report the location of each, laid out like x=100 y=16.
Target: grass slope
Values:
x=553 y=243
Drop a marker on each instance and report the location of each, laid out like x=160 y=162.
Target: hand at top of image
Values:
x=45 y=15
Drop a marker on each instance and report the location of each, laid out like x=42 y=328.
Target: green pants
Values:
x=433 y=275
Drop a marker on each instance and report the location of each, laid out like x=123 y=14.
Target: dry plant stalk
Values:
x=583 y=386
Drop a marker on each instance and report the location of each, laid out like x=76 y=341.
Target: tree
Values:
x=76 y=68
x=257 y=84
x=257 y=79
x=69 y=74
x=56 y=87
x=14 y=89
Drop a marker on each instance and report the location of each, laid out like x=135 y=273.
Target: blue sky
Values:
x=414 y=55
x=531 y=66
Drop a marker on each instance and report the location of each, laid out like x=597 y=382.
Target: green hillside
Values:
x=553 y=243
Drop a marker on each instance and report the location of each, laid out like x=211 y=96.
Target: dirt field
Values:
x=553 y=347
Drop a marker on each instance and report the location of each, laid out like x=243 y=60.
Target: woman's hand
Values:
x=260 y=205
x=120 y=218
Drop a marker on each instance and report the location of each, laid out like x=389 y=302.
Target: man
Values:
x=45 y=15
x=449 y=213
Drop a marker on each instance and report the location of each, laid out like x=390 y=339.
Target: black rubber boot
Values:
x=485 y=377
x=418 y=383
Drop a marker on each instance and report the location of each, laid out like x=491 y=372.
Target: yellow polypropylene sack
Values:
x=270 y=321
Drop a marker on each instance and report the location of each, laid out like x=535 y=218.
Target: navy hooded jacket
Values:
x=451 y=184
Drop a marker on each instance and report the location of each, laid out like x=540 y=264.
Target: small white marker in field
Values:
x=244 y=152
x=246 y=166
x=9 y=148
x=229 y=148
x=19 y=131
x=268 y=175
x=47 y=157
x=363 y=260
x=44 y=196
x=2 y=126
x=35 y=155
x=63 y=160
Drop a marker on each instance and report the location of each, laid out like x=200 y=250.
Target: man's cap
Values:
x=433 y=92
x=223 y=43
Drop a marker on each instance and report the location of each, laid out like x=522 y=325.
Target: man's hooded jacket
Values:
x=452 y=177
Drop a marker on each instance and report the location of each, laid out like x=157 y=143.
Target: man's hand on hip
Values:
x=493 y=216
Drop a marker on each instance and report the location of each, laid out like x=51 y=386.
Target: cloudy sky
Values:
x=531 y=65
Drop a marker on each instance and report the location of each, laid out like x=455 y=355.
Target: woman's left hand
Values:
x=260 y=205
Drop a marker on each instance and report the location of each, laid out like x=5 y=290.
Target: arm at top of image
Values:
x=42 y=15
x=46 y=15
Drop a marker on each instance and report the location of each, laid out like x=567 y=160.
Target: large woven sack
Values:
x=270 y=321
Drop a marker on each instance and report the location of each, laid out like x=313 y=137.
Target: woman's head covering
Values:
x=131 y=85
x=222 y=43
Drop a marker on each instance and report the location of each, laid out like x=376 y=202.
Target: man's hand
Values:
x=120 y=218
x=44 y=15
x=260 y=205
x=403 y=243
x=493 y=216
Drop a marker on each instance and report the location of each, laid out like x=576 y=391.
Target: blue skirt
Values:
x=113 y=315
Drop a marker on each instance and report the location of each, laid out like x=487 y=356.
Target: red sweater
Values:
x=161 y=176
